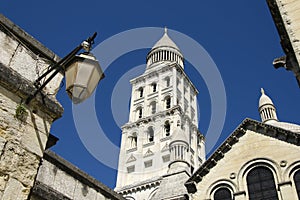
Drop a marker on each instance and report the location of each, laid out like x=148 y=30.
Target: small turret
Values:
x=179 y=152
x=266 y=108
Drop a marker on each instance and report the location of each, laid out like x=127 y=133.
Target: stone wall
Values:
x=58 y=179
x=286 y=14
x=23 y=139
x=273 y=148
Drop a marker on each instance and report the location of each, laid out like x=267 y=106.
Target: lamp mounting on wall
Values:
x=82 y=72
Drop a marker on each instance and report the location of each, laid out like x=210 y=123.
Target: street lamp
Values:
x=82 y=72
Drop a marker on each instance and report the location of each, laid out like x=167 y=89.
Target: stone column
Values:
x=286 y=190
x=240 y=196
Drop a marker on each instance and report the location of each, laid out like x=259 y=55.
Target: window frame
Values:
x=168 y=81
x=222 y=188
x=154 y=87
x=153 y=107
x=139 y=112
x=140 y=92
x=167 y=132
x=260 y=182
x=297 y=189
x=168 y=102
x=150 y=135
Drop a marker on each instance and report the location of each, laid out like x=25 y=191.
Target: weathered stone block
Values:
x=34 y=140
x=19 y=163
x=3 y=181
x=15 y=190
x=47 y=173
x=2 y=143
x=64 y=183
x=8 y=47
x=84 y=192
x=100 y=196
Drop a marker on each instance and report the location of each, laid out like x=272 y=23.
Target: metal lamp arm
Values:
x=59 y=66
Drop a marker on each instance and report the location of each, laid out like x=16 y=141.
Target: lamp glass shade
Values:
x=83 y=74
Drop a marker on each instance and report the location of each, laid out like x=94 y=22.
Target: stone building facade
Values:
x=259 y=160
x=26 y=171
x=285 y=14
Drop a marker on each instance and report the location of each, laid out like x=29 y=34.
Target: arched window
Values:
x=150 y=134
x=141 y=92
x=133 y=140
x=154 y=87
x=167 y=128
x=168 y=102
x=153 y=107
x=297 y=182
x=167 y=79
x=223 y=194
x=261 y=184
x=139 y=112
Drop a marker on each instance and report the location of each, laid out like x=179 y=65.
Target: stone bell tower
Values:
x=163 y=102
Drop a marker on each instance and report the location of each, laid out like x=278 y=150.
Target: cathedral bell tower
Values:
x=162 y=133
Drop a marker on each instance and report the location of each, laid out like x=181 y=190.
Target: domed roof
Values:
x=165 y=41
x=178 y=135
x=285 y=125
x=264 y=99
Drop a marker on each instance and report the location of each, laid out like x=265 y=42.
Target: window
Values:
x=141 y=92
x=167 y=79
x=148 y=163
x=154 y=87
x=167 y=128
x=140 y=112
x=133 y=140
x=166 y=158
x=153 y=107
x=168 y=102
x=297 y=182
x=150 y=133
x=131 y=169
x=261 y=184
x=222 y=194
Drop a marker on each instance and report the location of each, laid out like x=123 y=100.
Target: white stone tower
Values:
x=163 y=102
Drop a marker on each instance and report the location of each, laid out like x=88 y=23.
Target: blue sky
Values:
x=240 y=37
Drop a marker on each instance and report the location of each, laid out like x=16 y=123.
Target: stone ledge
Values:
x=45 y=192
x=80 y=175
x=138 y=186
x=14 y=82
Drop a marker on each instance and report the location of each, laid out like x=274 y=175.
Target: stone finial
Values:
x=166 y=30
x=262 y=90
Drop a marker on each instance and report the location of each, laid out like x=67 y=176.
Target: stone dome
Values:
x=165 y=41
x=166 y=51
x=264 y=99
x=179 y=136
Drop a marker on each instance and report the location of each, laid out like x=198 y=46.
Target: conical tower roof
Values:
x=165 y=50
x=165 y=41
x=264 y=99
